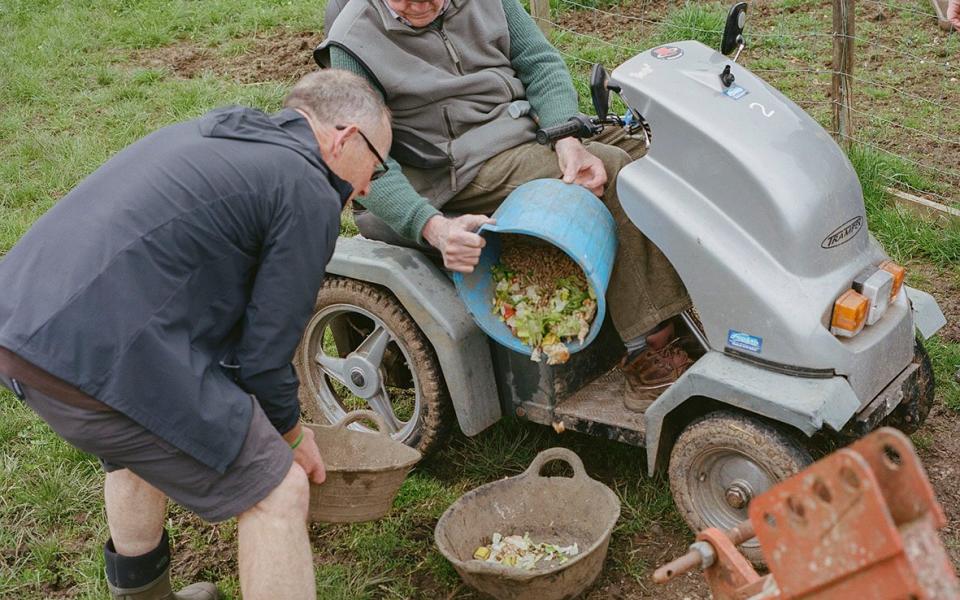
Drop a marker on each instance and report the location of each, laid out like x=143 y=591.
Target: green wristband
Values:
x=296 y=442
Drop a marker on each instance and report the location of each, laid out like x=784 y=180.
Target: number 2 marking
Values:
x=763 y=109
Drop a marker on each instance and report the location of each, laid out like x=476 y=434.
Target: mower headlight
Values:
x=849 y=314
x=876 y=286
x=898 y=273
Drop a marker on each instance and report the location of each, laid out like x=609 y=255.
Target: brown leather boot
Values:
x=159 y=589
x=651 y=373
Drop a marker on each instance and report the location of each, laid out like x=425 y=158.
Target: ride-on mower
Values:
x=805 y=329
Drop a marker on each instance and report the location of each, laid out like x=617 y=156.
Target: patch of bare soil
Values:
x=942 y=429
x=278 y=55
x=617 y=20
x=652 y=549
x=201 y=551
x=940 y=460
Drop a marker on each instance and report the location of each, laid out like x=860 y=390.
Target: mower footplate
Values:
x=598 y=410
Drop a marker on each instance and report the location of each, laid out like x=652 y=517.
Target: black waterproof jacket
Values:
x=204 y=242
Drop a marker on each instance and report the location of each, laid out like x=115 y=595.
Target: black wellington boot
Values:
x=147 y=577
x=160 y=589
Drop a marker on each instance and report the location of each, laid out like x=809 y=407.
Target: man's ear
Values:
x=340 y=138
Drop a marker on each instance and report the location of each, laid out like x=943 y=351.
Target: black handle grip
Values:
x=552 y=134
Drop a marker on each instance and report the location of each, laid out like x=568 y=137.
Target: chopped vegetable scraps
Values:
x=521 y=552
x=543 y=297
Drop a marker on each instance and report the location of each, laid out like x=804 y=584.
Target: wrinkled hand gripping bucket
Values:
x=364 y=470
x=567 y=216
x=557 y=510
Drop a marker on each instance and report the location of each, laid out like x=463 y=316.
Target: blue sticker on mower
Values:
x=735 y=91
x=744 y=341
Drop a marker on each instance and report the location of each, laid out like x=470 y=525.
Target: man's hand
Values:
x=306 y=454
x=579 y=166
x=457 y=239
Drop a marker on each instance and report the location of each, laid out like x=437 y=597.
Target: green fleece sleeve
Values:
x=540 y=67
x=391 y=197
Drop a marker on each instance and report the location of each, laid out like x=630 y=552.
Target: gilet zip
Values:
x=454 y=55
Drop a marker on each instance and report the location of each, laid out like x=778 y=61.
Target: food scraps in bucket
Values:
x=543 y=297
x=522 y=553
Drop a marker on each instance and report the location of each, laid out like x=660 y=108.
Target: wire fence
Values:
x=902 y=100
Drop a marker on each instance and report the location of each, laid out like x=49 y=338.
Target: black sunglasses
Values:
x=382 y=168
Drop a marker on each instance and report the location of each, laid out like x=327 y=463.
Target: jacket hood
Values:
x=287 y=128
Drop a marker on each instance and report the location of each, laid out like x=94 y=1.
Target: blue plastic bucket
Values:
x=567 y=216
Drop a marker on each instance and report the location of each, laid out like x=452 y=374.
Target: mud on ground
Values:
x=277 y=55
x=939 y=440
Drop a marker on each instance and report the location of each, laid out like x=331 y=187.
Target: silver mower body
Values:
x=762 y=215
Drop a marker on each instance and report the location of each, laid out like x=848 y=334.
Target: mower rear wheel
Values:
x=362 y=350
x=722 y=461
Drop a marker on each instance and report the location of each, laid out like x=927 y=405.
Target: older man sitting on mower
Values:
x=449 y=70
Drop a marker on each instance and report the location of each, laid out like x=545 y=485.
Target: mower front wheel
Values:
x=722 y=461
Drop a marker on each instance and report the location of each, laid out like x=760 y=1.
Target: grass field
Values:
x=80 y=79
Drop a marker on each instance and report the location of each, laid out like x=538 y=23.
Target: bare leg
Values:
x=135 y=513
x=275 y=558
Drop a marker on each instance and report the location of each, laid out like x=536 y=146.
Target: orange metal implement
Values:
x=861 y=523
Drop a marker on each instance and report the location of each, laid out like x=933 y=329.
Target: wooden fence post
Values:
x=842 y=89
x=540 y=11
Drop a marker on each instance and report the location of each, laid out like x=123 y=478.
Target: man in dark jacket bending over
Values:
x=150 y=318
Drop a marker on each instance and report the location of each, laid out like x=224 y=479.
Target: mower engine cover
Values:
x=762 y=215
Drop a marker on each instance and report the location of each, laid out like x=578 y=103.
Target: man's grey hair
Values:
x=338 y=97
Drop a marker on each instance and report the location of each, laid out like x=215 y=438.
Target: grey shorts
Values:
x=121 y=443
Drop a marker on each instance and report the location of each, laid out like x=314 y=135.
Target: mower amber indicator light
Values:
x=849 y=314
x=898 y=273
